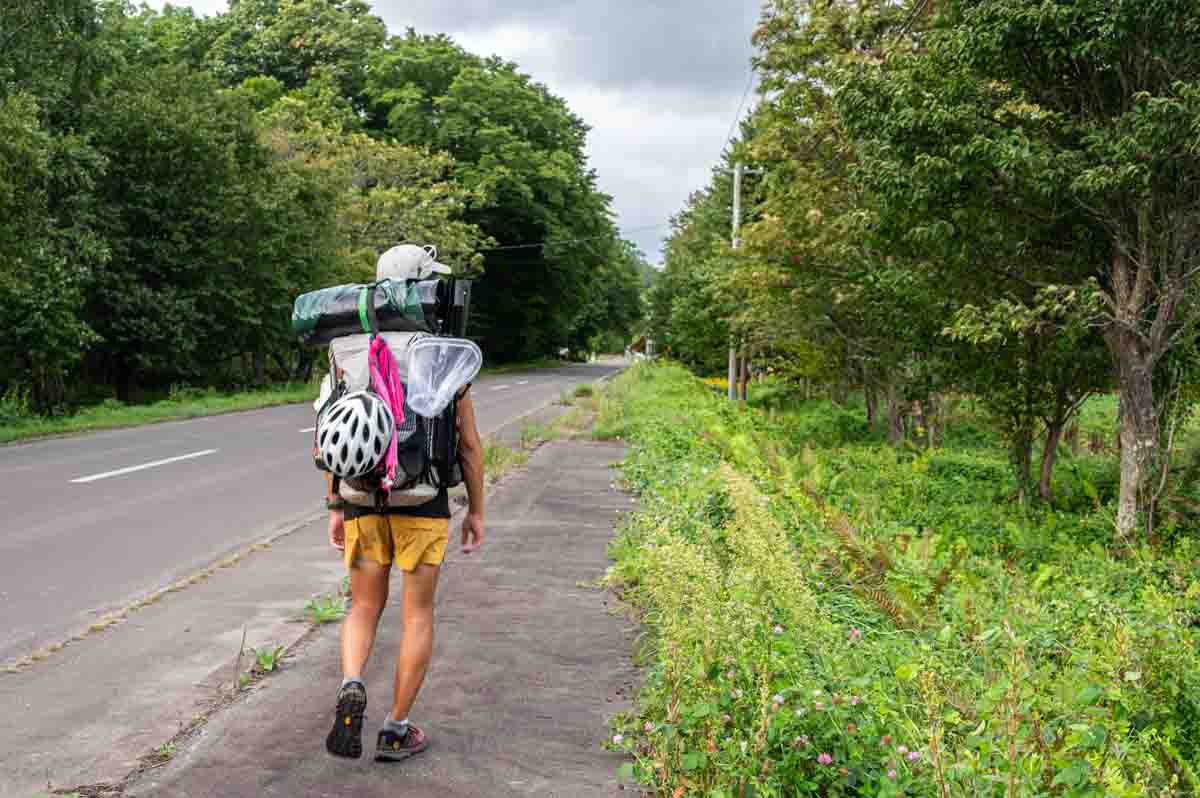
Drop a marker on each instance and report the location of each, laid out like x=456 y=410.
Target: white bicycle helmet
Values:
x=354 y=433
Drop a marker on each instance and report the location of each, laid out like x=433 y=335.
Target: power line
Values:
x=621 y=233
x=741 y=106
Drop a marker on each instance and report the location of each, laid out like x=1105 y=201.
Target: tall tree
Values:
x=520 y=151
x=297 y=40
x=204 y=231
x=46 y=259
x=1088 y=152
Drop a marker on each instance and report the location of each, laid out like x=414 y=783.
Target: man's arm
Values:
x=337 y=519
x=470 y=456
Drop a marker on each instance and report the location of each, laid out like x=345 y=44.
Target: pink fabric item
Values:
x=385 y=380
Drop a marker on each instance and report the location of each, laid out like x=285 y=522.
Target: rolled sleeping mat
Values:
x=319 y=317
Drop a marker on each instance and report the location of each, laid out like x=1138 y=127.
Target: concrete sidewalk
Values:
x=529 y=663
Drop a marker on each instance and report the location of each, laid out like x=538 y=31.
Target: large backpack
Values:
x=427 y=448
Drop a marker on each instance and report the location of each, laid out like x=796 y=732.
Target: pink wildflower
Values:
x=617 y=739
x=819 y=706
x=903 y=749
x=778 y=698
x=855 y=635
x=855 y=700
x=885 y=739
x=836 y=699
x=825 y=759
x=851 y=728
x=778 y=631
x=913 y=756
x=892 y=775
x=649 y=726
x=727 y=718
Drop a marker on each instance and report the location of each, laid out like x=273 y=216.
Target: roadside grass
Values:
x=501 y=458
x=17 y=423
x=528 y=365
x=827 y=615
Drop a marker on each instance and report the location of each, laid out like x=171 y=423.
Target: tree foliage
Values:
x=986 y=196
x=170 y=183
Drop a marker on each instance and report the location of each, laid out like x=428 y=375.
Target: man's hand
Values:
x=337 y=530
x=472 y=533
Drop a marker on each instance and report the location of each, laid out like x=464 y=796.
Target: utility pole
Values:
x=736 y=367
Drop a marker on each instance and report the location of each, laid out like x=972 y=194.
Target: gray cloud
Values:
x=697 y=45
x=657 y=80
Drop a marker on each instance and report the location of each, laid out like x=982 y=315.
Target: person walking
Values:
x=413 y=539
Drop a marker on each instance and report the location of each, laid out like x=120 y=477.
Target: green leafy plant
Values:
x=839 y=618
x=267 y=658
x=326 y=609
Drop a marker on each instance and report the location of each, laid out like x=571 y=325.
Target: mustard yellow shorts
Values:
x=407 y=541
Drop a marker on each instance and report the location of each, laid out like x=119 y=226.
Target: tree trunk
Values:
x=1072 y=437
x=1139 y=438
x=937 y=420
x=1054 y=433
x=872 y=397
x=744 y=379
x=124 y=382
x=895 y=407
x=260 y=368
x=1021 y=456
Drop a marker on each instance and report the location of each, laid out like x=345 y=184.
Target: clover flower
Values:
x=649 y=726
x=851 y=728
x=778 y=630
x=855 y=700
x=855 y=635
x=913 y=756
x=892 y=775
x=778 y=699
x=903 y=749
x=819 y=706
x=825 y=759
x=885 y=740
x=617 y=739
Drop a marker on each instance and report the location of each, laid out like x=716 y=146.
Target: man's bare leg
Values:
x=416 y=649
x=369 y=595
x=369 y=588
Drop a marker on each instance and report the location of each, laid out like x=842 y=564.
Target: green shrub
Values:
x=816 y=601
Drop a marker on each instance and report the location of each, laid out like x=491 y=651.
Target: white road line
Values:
x=309 y=429
x=523 y=382
x=500 y=387
x=143 y=466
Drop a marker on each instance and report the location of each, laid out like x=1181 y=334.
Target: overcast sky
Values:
x=659 y=82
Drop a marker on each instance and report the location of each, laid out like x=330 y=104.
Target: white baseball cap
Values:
x=409 y=262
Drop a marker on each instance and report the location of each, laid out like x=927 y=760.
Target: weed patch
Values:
x=830 y=616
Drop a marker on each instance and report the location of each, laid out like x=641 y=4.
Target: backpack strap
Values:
x=367 y=315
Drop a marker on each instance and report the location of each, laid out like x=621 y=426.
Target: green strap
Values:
x=362 y=309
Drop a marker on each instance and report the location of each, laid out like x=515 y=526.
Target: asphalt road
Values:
x=91 y=523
